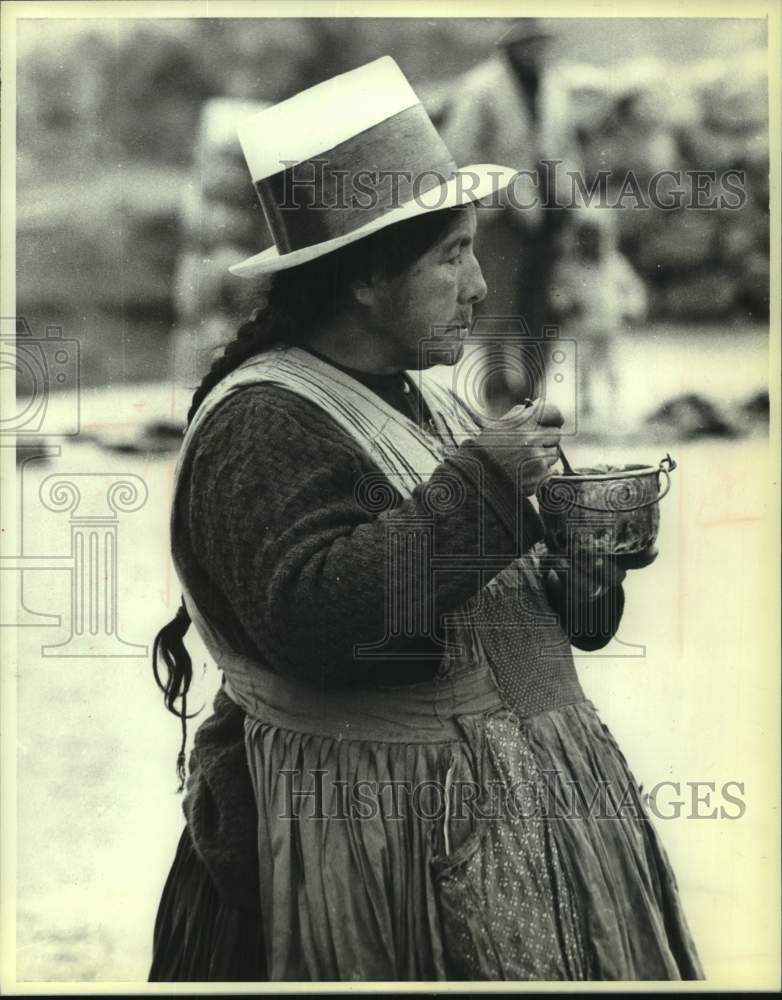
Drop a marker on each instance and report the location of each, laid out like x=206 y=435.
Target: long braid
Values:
x=253 y=336
x=299 y=298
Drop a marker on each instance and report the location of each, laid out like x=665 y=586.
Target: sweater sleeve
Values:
x=278 y=518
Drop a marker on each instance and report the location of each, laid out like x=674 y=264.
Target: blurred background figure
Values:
x=512 y=108
x=221 y=222
x=593 y=293
x=128 y=170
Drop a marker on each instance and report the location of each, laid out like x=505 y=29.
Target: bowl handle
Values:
x=666 y=467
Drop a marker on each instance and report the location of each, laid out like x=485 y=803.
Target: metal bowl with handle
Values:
x=613 y=510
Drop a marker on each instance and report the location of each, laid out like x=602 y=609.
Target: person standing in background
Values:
x=512 y=108
x=593 y=292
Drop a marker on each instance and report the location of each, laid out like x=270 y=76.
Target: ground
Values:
x=688 y=689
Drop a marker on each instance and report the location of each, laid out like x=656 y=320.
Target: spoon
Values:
x=569 y=470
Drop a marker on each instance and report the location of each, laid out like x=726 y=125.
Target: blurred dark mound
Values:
x=688 y=417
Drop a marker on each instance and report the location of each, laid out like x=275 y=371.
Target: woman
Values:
x=361 y=558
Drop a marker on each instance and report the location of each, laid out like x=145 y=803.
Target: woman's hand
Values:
x=587 y=594
x=591 y=576
x=589 y=579
x=639 y=560
x=526 y=440
x=585 y=577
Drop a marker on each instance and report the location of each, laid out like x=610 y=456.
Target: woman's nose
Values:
x=474 y=288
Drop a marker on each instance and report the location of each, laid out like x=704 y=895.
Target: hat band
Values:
x=359 y=180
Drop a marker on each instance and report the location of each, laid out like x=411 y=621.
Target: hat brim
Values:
x=523 y=39
x=469 y=184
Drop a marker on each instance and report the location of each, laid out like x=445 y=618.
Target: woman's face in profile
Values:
x=432 y=301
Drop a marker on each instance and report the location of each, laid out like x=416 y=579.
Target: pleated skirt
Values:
x=372 y=869
x=197 y=936
x=521 y=851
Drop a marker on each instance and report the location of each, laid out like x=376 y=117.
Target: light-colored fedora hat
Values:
x=346 y=158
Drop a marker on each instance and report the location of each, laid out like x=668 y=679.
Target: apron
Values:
x=445 y=829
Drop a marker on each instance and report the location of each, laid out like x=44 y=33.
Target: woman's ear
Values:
x=364 y=293
x=368 y=291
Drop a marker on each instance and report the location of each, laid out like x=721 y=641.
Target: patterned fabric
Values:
x=356 y=887
x=514 y=624
x=508 y=909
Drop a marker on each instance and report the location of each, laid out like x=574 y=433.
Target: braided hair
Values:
x=299 y=299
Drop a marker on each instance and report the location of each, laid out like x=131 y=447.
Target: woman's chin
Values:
x=453 y=350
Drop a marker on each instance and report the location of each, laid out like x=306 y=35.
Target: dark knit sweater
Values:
x=282 y=557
